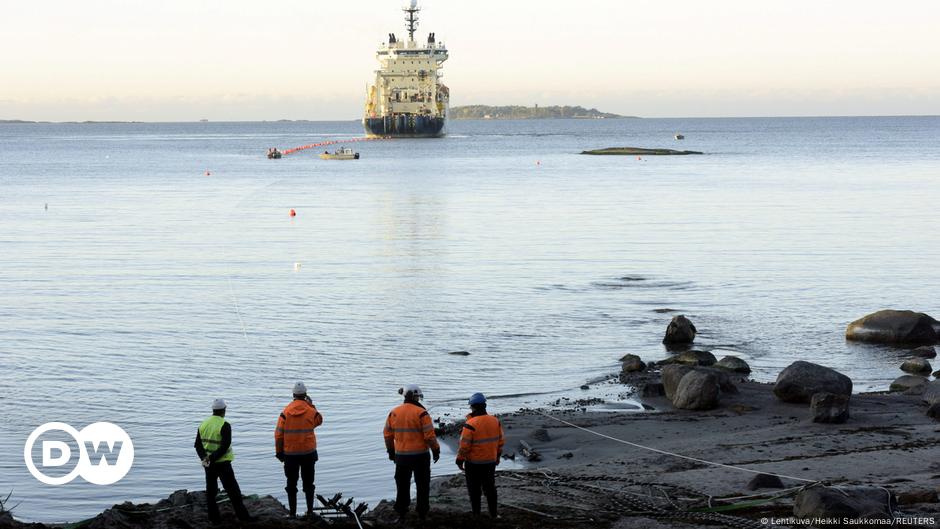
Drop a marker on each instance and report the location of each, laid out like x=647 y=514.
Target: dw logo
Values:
x=105 y=453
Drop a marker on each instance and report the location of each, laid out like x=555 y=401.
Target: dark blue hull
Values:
x=405 y=126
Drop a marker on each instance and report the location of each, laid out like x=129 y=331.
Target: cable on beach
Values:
x=673 y=454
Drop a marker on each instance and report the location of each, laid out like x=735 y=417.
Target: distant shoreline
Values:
x=118 y=122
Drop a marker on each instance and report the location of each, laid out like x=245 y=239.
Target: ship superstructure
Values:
x=408 y=98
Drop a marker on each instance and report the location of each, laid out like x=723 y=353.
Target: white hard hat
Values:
x=300 y=388
x=414 y=390
x=218 y=404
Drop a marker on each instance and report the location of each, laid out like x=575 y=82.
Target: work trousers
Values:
x=223 y=472
x=481 y=478
x=420 y=467
x=302 y=467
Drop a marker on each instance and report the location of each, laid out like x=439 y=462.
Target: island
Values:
x=639 y=151
x=536 y=112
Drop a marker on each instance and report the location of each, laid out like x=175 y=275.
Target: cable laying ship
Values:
x=408 y=99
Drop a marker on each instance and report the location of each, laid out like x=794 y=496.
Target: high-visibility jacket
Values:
x=210 y=432
x=294 y=433
x=410 y=430
x=481 y=440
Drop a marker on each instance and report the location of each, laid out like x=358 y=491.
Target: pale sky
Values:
x=182 y=60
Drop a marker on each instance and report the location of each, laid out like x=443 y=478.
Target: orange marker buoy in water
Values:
x=292 y=212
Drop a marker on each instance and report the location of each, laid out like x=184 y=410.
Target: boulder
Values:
x=680 y=331
x=695 y=358
x=913 y=497
x=764 y=481
x=672 y=374
x=697 y=390
x=916 y=366
x=910 y=384
x=829 y=408
x=925 y=351
x=934 y=411
x=931 y=394
x=843 y=502
x=652 y=389
x=725 y=381
x=801 y=380
x=894 y=327
x=631 y=364
x=734 y=364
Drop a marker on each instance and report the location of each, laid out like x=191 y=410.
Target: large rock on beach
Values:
x=894 y=327
x=926 y=351
x=697 y=390
x=631 y=364
x=764 y=481
x=934 y=411
x=843 y=502
x=931 y=394
x=801 y=380
x=909 y=384
x=829 y=408
x=671 y=375
x=734 y=364
x=680 y=331
x=916 y=366
x=695 y=358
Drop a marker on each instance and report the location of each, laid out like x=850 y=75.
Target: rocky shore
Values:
x=712 y=449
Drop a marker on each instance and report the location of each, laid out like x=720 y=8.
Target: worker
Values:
x=481 y=448
x=295 y=445
x=409 y=434
x=214 y=447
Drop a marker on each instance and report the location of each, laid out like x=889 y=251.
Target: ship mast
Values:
x=411 y=18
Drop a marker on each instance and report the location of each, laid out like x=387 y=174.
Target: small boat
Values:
x=274 y=154
x=341 y=154
x=680 y=137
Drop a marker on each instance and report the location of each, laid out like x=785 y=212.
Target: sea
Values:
x=149 y=268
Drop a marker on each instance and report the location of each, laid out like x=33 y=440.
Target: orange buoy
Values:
x=208 y=173
x=292 y=212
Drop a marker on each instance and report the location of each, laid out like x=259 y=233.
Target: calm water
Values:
x=147 y=289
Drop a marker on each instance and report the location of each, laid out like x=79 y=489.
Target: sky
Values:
x=184 y=60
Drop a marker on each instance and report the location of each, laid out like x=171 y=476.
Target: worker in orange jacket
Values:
x=296 y=446
x=409 y=434
x=481 y=447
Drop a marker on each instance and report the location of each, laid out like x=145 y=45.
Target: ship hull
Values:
x=404 y=126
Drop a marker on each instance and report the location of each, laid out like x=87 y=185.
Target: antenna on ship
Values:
x=411 y=18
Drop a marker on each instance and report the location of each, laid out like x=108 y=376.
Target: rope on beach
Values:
x=673 y=454
x=625 y=503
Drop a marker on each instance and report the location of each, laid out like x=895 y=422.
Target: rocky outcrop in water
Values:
x=909 y=384
x=679 y=331
x=894 y=327
x=734 y=364
x=926 y=351
x=631 y=364
x=916 y=366
x=695 y=358
x=801 y=380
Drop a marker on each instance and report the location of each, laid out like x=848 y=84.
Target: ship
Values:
x=408 y=99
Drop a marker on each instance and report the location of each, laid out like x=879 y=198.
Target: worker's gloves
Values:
x=436 y=454
x=279 y=456
x=206 y=462
x=460 y=464
x=499 y=457
x=391 y=456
